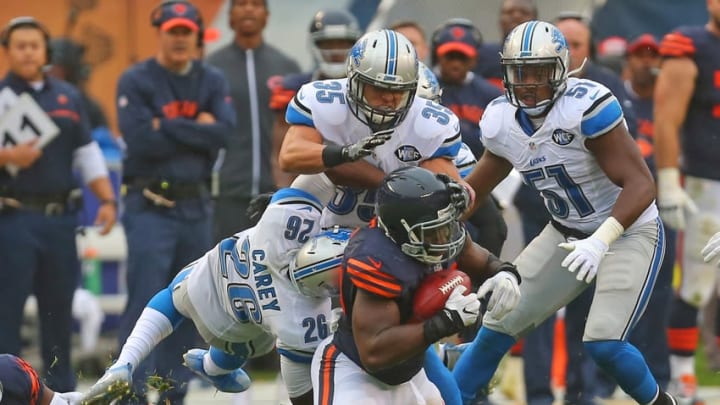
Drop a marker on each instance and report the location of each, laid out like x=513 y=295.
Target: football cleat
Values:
x=235 y=381
x=114 y=384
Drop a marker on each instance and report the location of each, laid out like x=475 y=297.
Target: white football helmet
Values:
x=428 y=85
x=535 y=43
x=384 y=59
x=315 y=269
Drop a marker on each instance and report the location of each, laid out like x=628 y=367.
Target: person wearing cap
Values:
x=642 y=63
x=686 y=127
x=175 y=114
x=252 y=66
x=38 y=208
x=21 y=385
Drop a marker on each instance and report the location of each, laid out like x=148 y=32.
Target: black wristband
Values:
x=440 y=326
x=332 y=155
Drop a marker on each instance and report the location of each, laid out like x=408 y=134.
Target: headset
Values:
x=26 y=21
x=157 y=13
x=453 y=22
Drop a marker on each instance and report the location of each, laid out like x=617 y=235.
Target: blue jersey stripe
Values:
x=655 y=265
x=392 y=52
x=289 y=193
x=296 y=356
x=602 y=121
x=449 y=151
x=294 y=116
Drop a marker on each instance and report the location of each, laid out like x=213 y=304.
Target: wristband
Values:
x=332 y=155
x=610 y=230
x=439 y=326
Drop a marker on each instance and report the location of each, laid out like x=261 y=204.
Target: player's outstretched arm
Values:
x=489 y=171
x=301 y=151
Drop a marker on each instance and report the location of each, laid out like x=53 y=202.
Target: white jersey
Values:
x=554 y=160
x=241 y=288
x=428 y=131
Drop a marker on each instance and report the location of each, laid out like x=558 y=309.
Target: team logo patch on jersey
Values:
x=408 y=153
x=562 y=137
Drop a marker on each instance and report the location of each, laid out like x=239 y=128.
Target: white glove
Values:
x=72 y=398
x=467 y=307
x=505 y=293
x=672 y=199
x=711 y=251
x=366 y=146
x=584 y=257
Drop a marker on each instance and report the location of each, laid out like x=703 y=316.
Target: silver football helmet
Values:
x=387 y=60
x=534 y=48
x=428 y=85
x=315 y=269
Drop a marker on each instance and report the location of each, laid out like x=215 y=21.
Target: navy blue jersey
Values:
x=283 y=92
x=468 y=102
x=52 y=172
x=181 y=150
x=375 y=264
x=19 y=383
x=701 y=130
x=645 y=133
x=488 y=63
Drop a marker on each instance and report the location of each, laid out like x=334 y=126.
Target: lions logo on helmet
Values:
x=428 y=84
x=535 y=60
x=315 y=269
x=386 y=60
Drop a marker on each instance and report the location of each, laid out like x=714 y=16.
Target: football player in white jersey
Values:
x=264 y=286
x=567 y=138
x=359 y=128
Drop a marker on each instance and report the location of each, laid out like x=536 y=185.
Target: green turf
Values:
x=705 y=376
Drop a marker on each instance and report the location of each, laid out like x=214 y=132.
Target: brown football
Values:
x=434 y=290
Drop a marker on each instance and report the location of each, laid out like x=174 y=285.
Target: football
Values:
x=434 y=290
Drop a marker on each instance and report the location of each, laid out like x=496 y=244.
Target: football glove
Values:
x=673 y=202
x=504 y=293
x=460 y=311
x=584 y=257
x=711 y=251
x=365 y=146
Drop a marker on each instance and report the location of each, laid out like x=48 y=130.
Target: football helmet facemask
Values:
x=415 y=208
x=332 y=34
x=386 y=60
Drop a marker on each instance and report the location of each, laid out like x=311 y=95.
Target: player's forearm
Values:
x=359 y=174
x=667 y=145
x=634 y=198
x=393 y=346
x=301 y=157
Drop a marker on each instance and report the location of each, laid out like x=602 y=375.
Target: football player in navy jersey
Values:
x=415 y=232
x=687 y=124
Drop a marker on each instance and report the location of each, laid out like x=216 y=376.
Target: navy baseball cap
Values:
x=457 y=38
x=19 y=383
x=176 y=14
